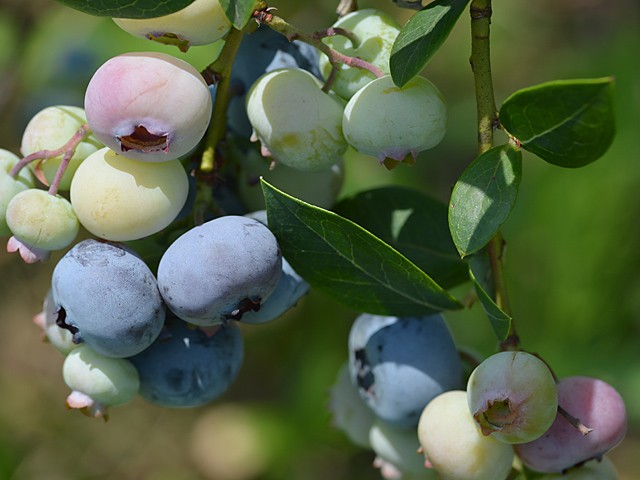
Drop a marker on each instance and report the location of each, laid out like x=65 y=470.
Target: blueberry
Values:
x=260 y=52
x=107 y=297
x=185 y=367
x=401 y=363
x=219 y=270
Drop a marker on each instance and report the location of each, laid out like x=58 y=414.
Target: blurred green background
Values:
x=573 y=264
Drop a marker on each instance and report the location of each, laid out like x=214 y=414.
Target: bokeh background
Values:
x=573 y=265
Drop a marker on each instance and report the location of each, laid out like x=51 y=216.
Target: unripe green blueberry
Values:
x=50 y=129
x=513 y=397
x=120 y=199
x=199 y=23
x=376 y=32
x=9 y=186
x=455 y=447
x=41 y=220
x=148 y=106
x=399 y=447
x=349 y=413
x=296 y=122
x=387 y=121
x=319 y=188
x=98 y=382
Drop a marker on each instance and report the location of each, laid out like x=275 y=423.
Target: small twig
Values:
x=219 y=74
x=70 y=146
x=334 y=31
x=575 y=422
x=292 y=33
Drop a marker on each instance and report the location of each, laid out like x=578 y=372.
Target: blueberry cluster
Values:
x=403 y=395
x=181 y=256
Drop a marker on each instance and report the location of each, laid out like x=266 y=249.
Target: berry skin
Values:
x=401 y=363
x=199 y=23
x=295 y=121
x=108 y=298
x=186 y=367
x=42 y=221
x=50 y=129
x=513 y=397
x=9 y=186
x=148 y=106
x=453 y=445
x=387 y=121
x=376 y=32
x=219 y=270
x=98 y=382
x=598 y=406
x=120 y=199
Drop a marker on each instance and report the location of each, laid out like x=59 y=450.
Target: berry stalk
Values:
x=219 y=73
x=293 y=33
x=487 y=123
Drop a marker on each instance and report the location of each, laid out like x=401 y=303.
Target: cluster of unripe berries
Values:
x=403 y=394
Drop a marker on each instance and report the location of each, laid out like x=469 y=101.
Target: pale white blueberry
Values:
x=40 y=221
x=199 y=23
x=117 y=198
x=296 y=123
x=98 y=382
x=453 y=444
x=10 y=186
x=148 y=106
x=387 y=121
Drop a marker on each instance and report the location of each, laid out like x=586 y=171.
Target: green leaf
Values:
x=421 y=37
x=483 y=197
x=238 y=11
x=348 y=263
x=412 y=223
x=127 y=8
x=482 y=278
x=569 y=123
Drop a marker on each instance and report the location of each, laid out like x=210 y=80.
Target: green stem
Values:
x=220 y=73
x=481 y=66
x=487 y=123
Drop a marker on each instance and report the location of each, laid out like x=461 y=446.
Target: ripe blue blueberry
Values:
x=219 y=270
x=401 y=363
x=107 y=297
x=187 y=367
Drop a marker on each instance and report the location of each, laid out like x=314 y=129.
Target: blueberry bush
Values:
x=306 y=238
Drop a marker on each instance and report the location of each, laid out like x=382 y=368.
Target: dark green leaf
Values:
x=483 y=197
x=238 y=11
x=348 y=263
x=421 y=37
x=127 y=8
x=568 y=123
x=480 y=271
x=412 y=223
